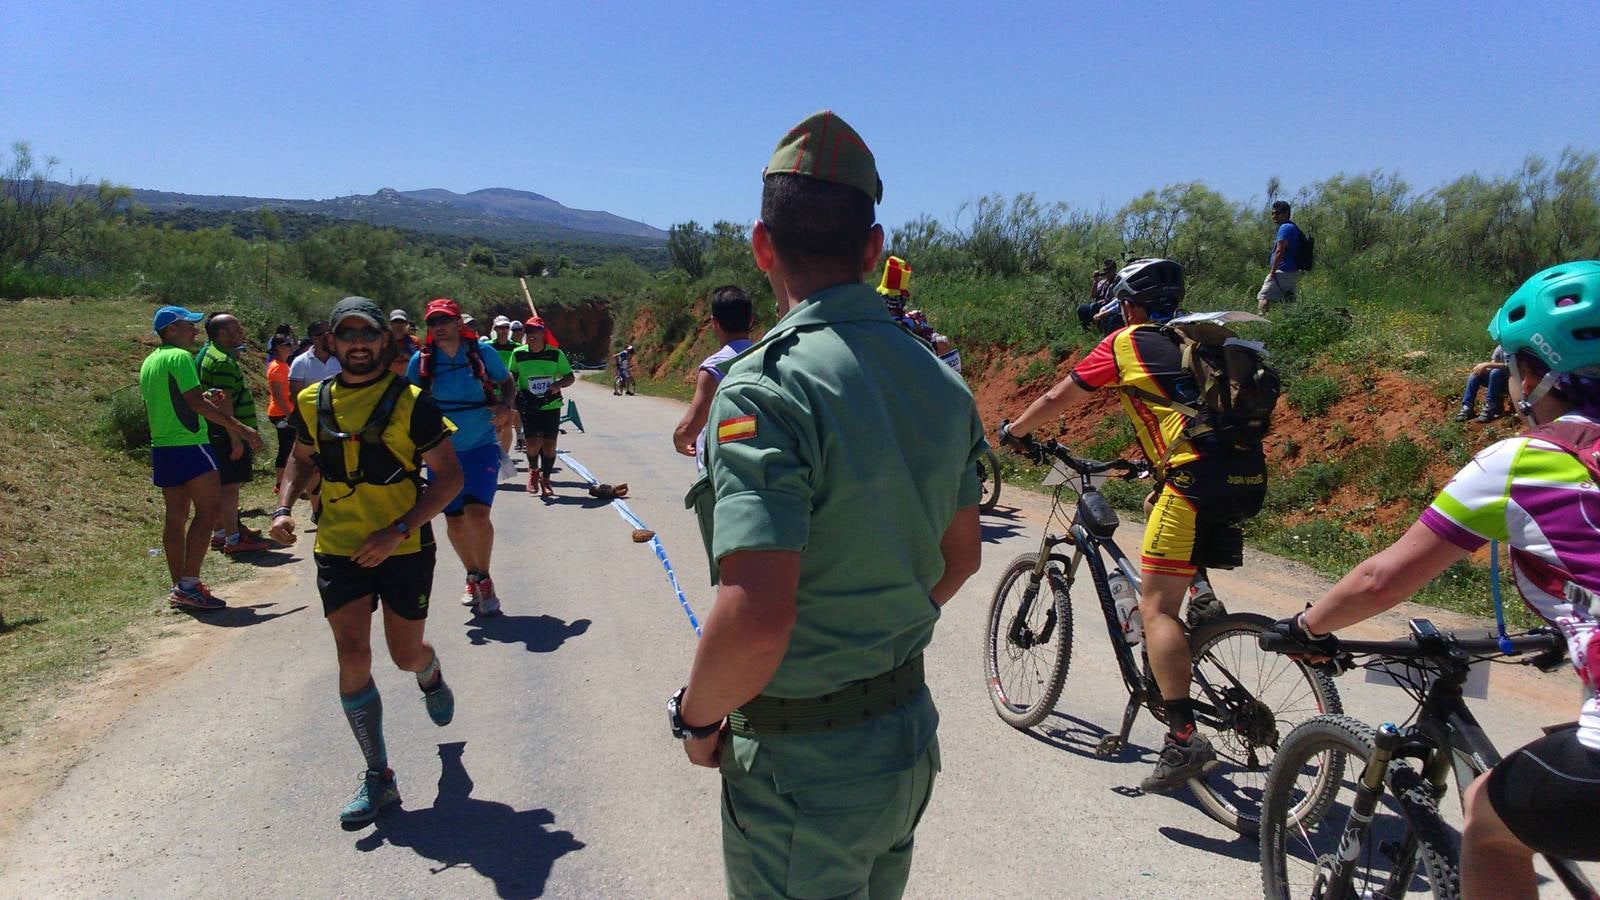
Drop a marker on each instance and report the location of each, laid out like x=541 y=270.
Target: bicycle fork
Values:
x=1369 y=789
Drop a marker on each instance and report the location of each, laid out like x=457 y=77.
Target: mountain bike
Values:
x=988 y=481
x=1390 y=818
x=1244 y=698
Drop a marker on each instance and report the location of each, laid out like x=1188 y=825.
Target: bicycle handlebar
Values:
x=1425 y=648
x=1128 y=469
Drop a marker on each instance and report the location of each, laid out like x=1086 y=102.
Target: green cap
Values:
x=360 y=307
x=825 y=147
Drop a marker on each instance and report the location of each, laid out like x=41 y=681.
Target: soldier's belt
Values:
x=844 y=708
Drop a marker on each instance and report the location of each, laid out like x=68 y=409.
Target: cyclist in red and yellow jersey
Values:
x=1205 y=489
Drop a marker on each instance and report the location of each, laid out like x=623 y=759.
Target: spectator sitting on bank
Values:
x=1494 y=375
x=1099 y=293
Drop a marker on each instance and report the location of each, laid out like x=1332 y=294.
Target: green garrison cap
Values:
x=825 y=147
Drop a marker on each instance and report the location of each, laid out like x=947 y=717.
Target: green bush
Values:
x=1313 y=395
x=124 y=426
x=1396 y=469
x=1311 y=484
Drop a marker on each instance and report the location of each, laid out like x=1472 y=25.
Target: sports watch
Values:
x=401 y=528
x=682 y=731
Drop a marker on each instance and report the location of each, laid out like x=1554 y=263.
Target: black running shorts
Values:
x=543 y=423
x=1548 y=793
x=402 y=583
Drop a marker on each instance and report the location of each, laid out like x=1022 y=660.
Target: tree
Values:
x=481 y=257
x=688 y=243
x=39 y=217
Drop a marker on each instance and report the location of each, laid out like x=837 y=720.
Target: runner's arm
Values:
x=746 y=634
x=688 y=430
x=436 y=494
x=219 y=413
x=1384 y=580
x=962 y=548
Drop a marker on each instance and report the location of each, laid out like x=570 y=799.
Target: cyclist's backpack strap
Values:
x=1580 y=439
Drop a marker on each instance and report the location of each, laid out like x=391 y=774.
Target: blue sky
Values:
x=666 y=112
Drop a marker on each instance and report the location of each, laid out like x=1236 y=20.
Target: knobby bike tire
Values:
x=1291 y=691
x=989 y=481
x=1009 y=669
x=1348 y=744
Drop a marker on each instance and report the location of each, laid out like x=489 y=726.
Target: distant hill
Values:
x=493 y=213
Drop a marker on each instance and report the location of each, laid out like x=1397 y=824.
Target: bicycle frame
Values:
x=1446 y=741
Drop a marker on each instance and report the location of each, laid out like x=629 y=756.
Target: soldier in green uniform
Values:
x=840 y=513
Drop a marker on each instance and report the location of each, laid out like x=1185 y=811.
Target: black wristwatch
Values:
x=685 y=732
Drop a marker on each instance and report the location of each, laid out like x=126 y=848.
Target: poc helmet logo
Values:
x=1543 y=346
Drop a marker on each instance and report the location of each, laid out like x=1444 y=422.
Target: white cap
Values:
x=501 y=320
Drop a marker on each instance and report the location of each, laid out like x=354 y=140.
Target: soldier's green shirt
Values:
x=841 y=436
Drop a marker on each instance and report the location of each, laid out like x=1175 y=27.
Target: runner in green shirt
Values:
x=505 y=344
x=181 y=458
x=540 y=371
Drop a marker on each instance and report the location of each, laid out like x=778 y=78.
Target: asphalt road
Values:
x=558 y=776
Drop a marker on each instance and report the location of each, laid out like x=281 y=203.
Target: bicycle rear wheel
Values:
x=1317 y=767
x=1025 y=658
x=1246 y=700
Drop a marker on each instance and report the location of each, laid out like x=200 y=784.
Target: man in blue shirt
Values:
x=1283 y=270
x=472 y=387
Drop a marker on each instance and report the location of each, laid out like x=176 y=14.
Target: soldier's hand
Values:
x=282 y=530
x=707 y=751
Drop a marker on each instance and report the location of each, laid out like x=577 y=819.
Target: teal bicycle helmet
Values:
x=1555 y=316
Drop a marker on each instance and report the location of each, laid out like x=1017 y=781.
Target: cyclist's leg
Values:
x=1541 y=798
x=1166 y=569
x=1493 y=862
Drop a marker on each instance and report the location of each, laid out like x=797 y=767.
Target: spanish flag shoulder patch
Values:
x=740 y=429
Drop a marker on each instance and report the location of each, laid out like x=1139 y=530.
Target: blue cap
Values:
x=166 y=315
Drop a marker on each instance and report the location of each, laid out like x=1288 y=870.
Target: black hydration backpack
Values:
x=1305 y=259
x=1237 y=390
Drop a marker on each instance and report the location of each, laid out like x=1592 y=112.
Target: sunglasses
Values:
x=442 y=320
x=352 y=335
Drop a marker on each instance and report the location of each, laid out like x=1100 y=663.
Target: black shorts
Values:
x=231 y=471
x=402 y=583
x=542 y=423
x=285 y=442
x=1547 y=793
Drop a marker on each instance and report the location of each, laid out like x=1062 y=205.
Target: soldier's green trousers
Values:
x=847 y=840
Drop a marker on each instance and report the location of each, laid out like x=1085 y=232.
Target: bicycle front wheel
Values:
x=1318 y=766
x=1026 y=651
x=1246 y=700
x=988 y=481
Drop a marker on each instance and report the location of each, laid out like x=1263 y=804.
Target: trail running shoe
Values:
x=198 y=597
x=218 y=542
x=441 y=703
x=469 y=597
x=247 y=544
x=377 y=790
x=1179 y=761
x=488 y=604
x=533 y=482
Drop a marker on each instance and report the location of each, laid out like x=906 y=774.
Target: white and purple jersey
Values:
x=1543 y=503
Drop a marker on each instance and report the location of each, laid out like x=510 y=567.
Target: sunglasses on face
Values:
x=353 y=335
x=435 y=321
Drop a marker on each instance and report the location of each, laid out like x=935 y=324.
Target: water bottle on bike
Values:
x=1127 y=608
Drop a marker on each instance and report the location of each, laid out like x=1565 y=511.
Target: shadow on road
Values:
x=1234 y=846
x=239 y=616
x=540 y=634
x=511 y=848
x=994 y=534
x=1079 y=738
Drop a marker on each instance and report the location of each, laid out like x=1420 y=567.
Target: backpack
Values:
x=1580 y=439
x=1236 y=391
x=474 y=360
x=373 y=456
x=1305 y=259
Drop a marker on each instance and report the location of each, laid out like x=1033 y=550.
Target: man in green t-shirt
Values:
x=540 y=372
x=505 y=345
x=181 y=459
x=218 y=364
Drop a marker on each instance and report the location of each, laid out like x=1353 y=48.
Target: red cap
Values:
x=535 y=322
x=442 y=305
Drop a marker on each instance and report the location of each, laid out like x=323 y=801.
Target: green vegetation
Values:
x=78 y=586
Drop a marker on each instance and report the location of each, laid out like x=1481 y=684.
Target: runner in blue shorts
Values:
x=471 y=386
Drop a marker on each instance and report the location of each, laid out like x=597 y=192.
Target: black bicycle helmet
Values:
x=1155 y=284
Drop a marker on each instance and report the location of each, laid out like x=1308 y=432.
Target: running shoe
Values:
x=1464 y=414
x=488 y=604
x=1179 y=761
x=533 y=483
x=469 y=597
x=198 y=597
x=377 y=790
x=218 y=542
x=247 y=544
x=441 y=703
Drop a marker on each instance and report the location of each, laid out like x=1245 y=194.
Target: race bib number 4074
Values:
x=539 y=386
